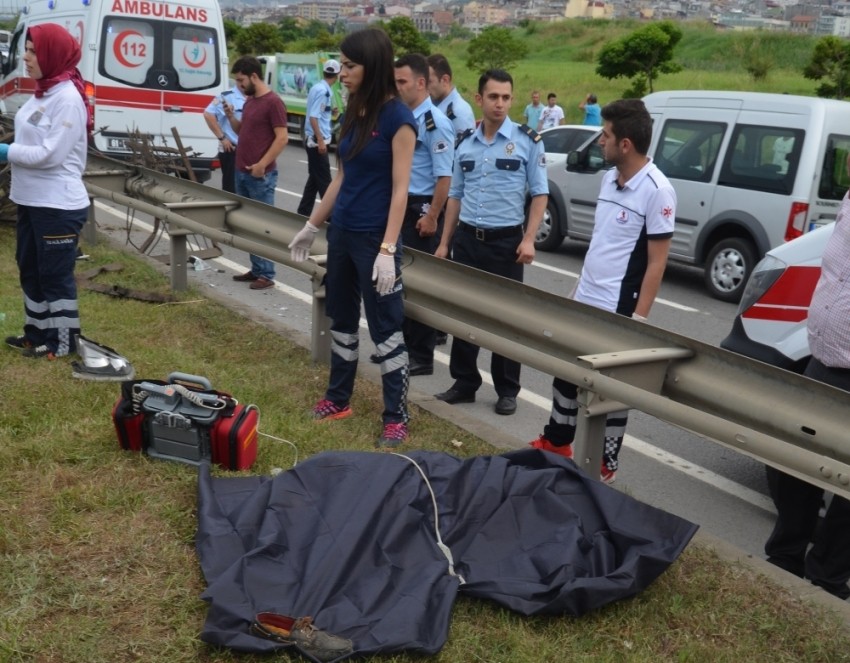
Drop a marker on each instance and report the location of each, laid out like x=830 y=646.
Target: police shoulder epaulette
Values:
x=531 y=133
x=463 y=136
x=430 y=124
x=450 y=111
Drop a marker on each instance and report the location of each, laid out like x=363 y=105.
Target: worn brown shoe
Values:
x=262 y=283
x=244 y=278
x=301 y=633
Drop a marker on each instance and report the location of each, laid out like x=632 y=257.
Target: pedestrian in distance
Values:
x=799 y=543
x=216 y=118
x=48 y=158
x=445 y=96
x=625 y=261
x=366 y=205
x=592 y=111
x=262 y=136
x=317 y=137
x=429 y=188
x=533 y=110
x=552 y=115
x=495 y=167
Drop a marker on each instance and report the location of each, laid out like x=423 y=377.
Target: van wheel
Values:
x=549 y=236
x=730 y=263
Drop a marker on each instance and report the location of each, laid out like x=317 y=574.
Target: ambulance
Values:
x=148 y=66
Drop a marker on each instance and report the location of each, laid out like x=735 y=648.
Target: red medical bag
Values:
x=185 y=420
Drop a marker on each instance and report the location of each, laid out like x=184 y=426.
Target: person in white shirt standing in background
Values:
x=317 y=137
x=552 y=115
x=48 y=159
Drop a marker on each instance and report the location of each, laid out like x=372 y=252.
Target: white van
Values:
x=750 y=170
x=148 y=66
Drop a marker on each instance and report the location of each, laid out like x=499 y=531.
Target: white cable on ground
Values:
x=442 y=546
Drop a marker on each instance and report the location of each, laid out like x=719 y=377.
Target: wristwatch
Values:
x=222 y=137
x=389 y=248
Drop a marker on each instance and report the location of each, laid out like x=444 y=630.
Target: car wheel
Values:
x=730 y=263
x=549 y=236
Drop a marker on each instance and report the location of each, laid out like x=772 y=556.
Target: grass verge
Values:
x=97 y=560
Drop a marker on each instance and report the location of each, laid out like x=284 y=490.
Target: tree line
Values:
x=640 y=57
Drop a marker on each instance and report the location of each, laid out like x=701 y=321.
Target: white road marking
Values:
x=543 y=402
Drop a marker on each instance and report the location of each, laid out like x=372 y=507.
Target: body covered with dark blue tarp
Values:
x=349 y=539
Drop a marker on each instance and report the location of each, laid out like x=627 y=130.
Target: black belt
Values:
x=489 y=234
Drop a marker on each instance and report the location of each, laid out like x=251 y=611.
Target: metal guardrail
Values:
x=777 y=417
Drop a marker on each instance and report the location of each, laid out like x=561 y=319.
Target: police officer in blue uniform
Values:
x=495 y=167
x=216 y=118
x=429 y=188
x=317 y=137
x=445 y=96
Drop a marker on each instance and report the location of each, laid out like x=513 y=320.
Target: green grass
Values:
x=563 y=61
x=97 y=560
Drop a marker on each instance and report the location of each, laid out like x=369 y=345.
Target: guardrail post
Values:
x=179 y=278
x=320 y=339
x=589 y=441
x=89 y=233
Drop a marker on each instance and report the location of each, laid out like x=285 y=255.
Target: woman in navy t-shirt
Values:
x=365 y=203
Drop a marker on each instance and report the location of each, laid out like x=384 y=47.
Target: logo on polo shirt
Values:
x=667 y=212
x=622 y=216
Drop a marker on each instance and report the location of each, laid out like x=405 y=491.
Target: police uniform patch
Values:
x=542 y=161
x=531 y=133
x=509 y=148
x=440 y=146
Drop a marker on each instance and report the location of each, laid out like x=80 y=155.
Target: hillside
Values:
x=563 y=55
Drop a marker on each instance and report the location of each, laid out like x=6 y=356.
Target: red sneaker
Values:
x=326 y=410
x=607 y=476
x=541 y=442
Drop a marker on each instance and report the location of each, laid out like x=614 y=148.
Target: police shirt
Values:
x=434 y=153
x=492 y=179
x=319 y=105
x=363 y=201
x=626 y=219
x=235 y=98
x=458 y=110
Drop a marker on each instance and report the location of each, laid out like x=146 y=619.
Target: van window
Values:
x=762 y=158
x=12 y=61
x=834 y=178
x=687 y=150
x=159 y=54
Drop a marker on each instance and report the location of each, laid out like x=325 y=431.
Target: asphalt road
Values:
x=721 y=490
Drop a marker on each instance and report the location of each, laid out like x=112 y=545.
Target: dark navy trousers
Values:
x=46 y=254
x=421 y=339
x=497 y=257
x=351 y=256
x=827 y=563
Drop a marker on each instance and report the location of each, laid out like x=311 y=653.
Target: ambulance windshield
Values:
x=163 y=55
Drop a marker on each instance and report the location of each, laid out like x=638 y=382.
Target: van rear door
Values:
x=155 y=73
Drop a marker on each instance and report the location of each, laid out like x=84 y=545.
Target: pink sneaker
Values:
x=541 y=442
x=326 y=410
x=393 y=435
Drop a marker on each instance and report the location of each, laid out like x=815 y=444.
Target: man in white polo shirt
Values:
x=624 y=265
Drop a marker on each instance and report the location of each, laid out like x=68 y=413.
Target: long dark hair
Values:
x=372 y=49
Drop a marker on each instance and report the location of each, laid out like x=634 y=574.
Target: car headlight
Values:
x=764 y=275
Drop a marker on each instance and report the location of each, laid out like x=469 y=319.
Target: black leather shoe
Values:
x=420 y=369
x=442 y=338
x=506 y=405
x=375 y=358
x=453 y=396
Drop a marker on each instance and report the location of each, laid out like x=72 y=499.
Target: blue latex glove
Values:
x=4 y=153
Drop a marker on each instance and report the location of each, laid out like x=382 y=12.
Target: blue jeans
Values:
x=261 y=190
x=46 y=254
x=351 y=256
